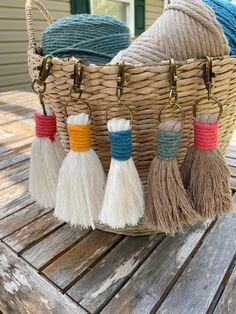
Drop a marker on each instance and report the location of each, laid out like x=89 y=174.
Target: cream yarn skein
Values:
x=187 y=29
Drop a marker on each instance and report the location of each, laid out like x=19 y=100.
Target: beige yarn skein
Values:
x=187 y=29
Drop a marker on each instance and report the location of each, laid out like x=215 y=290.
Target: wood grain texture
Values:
x=14 y=198
x=12 y=204
x=98 y=286
x=23 y=291
x=201 y=279
x=62 y=239
x=31 y=233
x=227 y=303
x=147 y=286
x=16 y=145
x=20 y=219
x=14 y=158
x=80 y=257
x=16 y=177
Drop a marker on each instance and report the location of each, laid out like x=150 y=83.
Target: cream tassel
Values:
x=124 y=201
x=82 y=179
x=46 y=158
x=204 y=170
x=168 y=205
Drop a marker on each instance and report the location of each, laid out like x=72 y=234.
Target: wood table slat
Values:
x=231 y=153
x=31 y=233
x=20 y=219
x=199 y=282
x=14 y=198
x=9 y=153
x=15 y=178
x=13 y=170
x=98 y=286
x=15 y=145
x=231 y=162
x=233 y=183
x=80 y=257
x=26 y=292
x=14 y=158
x=62 y=239
x=227 y=303
x=148 y=285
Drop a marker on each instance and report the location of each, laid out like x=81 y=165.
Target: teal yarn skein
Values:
x=226 y=15
x=92 y=38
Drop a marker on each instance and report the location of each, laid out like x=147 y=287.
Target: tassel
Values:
x=81 y=179
x=123 y=201
x=204 y=170
x=46 y=158
x=168 y=205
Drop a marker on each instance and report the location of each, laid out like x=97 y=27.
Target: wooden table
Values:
x=48 y=267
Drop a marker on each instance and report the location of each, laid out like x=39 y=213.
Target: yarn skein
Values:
x=92 y=38
x=226 y=15
x=186 y=29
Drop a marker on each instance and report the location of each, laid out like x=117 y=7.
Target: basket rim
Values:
x=129 y=66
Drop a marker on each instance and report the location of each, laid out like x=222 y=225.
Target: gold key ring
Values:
x=85 y=103
x=119 y=105
x=210 y=98
x=173 y=105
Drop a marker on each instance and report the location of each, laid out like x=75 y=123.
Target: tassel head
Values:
x=121 y=144
x=45 y=126
x=168 y=144
x=80 y=140
x=205 y=135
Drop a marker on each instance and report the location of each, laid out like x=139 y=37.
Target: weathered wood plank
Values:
x=24 y=291
x=13 y=169
x=232 y=171
x=33 y=232
x=205 y=272
x=231 y=162
x=20 y=218
x=227 y=303
x=233 y=183
x=16 y=145
x=62 y=239
x=99 y=285
x=15 y=158
x=80 y=257
x=231 y=153
x=14 y=198
x=25 y=129
x=148 y=285
x=15 y=177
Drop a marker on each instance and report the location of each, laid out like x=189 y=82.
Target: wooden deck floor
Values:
x=48 y=267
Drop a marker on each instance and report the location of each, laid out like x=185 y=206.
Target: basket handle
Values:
x=29 y=22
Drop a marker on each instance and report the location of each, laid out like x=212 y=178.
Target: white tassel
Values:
x=81 y=182
x=46 y=158
x=124 y=200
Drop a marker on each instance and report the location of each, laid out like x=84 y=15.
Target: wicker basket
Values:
x=146 y=90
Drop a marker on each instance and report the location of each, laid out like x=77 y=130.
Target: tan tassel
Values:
x=204 y=170
x=168 y=205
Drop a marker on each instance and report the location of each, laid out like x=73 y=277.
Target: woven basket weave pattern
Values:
x=146 y=90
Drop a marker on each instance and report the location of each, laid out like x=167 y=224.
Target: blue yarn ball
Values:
x=226 y=15
x=92 y=38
